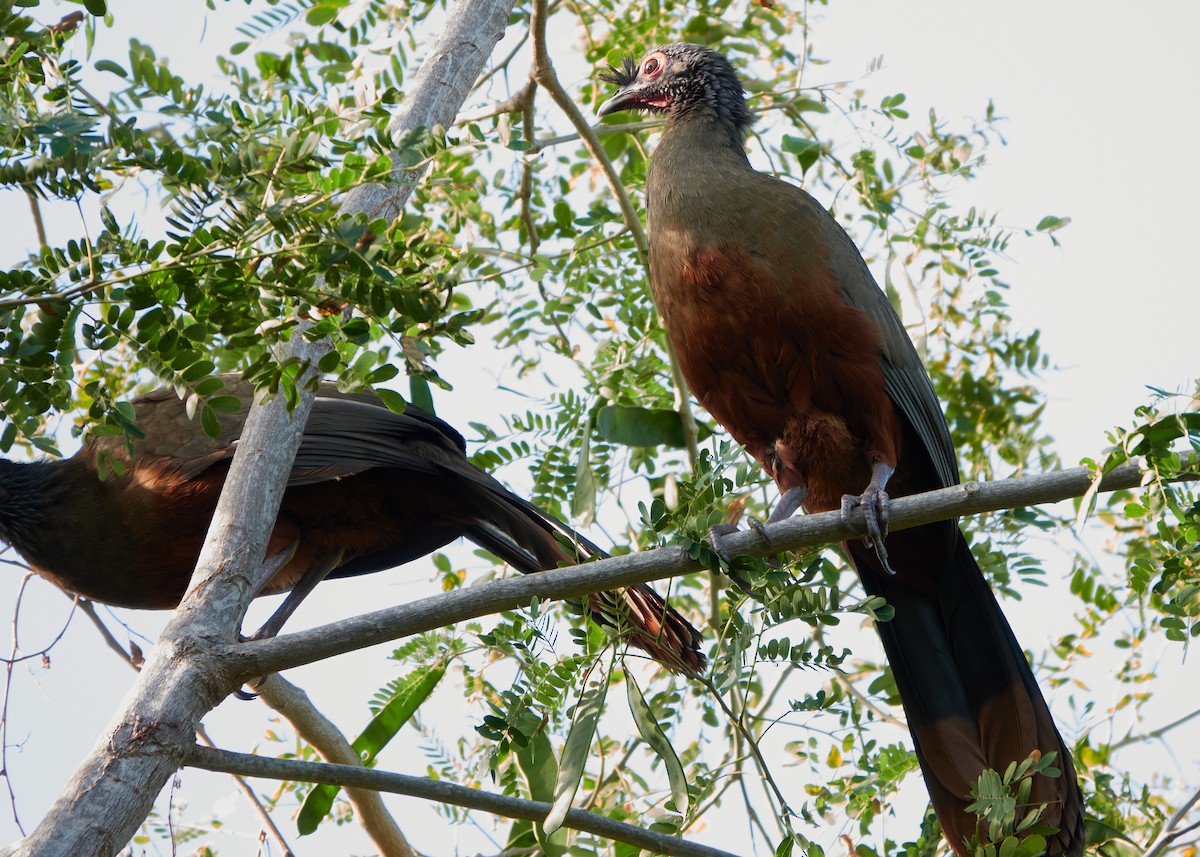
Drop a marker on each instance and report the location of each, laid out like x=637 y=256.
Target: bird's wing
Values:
x=346 y=433
x=907 y=381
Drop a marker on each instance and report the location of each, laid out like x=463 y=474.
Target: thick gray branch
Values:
x=114 y=789
x=435 y=95
x=442 y=792
x=802 y=531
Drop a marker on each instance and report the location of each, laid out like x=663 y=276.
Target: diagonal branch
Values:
x=543 y=72
x=315 y=728
x=1171 y=830
x=114 y=789
x=443 y=792
x=254 y=658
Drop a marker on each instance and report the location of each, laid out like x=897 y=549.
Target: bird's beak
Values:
x=623 y=99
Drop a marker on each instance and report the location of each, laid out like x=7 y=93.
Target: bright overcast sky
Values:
x=1101 y=104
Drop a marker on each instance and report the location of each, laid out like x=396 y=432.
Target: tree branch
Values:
x=114 y=788
x=543 y=72
x=443 y=792
x=314 y=727
x=1170 y=832
x=435 y=94
x=256 y=657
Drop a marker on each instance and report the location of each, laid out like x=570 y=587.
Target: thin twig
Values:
x=89 y=609
x=35 y=211
x=9 y=663
x=443 y=792
x=8 y=673
x=599 y=131
x=1169 y=834
x=785 y=810
x=1153 y=734
x=543 y=72
x=264 y=816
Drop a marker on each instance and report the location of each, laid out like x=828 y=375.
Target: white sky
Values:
x=1101 y=101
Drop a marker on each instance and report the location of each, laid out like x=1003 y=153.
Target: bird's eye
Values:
x=652 y=67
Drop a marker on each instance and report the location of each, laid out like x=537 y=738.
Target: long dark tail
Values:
x=531 y=540
x=971 y=700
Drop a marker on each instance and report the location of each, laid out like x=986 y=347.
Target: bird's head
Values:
x=679 y=79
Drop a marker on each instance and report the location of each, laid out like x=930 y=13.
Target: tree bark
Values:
x=115 y=787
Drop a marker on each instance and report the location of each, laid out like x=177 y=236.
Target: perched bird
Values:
x=785 y=338
x=369 y=490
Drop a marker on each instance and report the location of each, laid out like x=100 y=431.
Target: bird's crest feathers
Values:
x=623 y=76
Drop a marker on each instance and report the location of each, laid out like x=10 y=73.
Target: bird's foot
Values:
x=717 y=534
x=250 y=695
x=263 y=633
x=876 y=508
x=791 y=500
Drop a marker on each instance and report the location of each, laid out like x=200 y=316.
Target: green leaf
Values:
x=1049 y=223
x=225 y=404
x=537 y=763
x=643 y=426
x=392 y=400
x=420 y=394
x=579 y=743
x=806 y=151
x=209 y=423
x=583 y=500
x=320 y=15
x=1031 y=846
x=383 y=727
x=110 y=66
x=650 y=730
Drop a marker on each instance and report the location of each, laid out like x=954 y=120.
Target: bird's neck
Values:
x=693 y=178
x=702 y=133
x=30 y=495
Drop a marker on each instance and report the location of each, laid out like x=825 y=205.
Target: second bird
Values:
x=369 y=490
x=785 y=338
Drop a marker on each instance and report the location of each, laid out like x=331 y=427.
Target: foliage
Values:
x=516 y=239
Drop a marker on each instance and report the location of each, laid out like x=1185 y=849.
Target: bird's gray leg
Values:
x=272 y=565
x=876 y=506
x=316 y=572
x=791 y=500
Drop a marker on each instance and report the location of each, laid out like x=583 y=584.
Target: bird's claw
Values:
x=716 y=534
x=250 y=695
x=241 y=693
x=876 y=508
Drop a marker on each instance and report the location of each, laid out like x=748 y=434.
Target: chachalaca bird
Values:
x=369 y=490
x=783 y=335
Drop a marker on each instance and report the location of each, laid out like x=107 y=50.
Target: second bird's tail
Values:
x=531 y=540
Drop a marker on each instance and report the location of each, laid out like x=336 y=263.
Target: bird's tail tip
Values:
x=660 y=630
